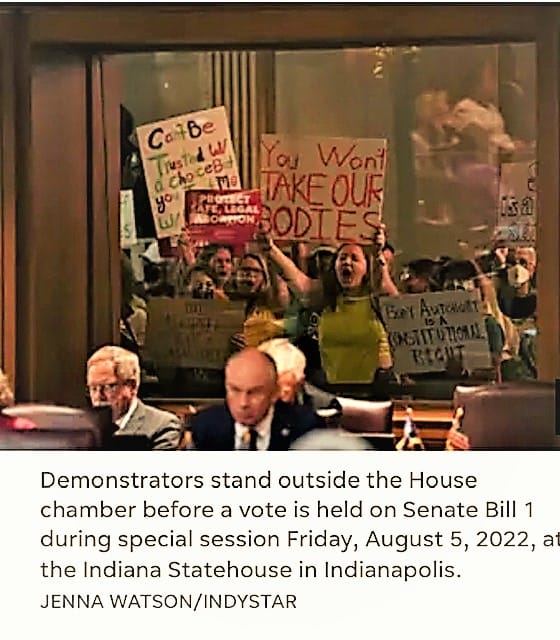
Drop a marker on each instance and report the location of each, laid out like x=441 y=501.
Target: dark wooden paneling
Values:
x=261 y=24
x=104 y=263
x=7 y=196
x=25 y=298
x=54 y=228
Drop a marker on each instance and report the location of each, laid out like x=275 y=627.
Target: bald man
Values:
x=252 y=416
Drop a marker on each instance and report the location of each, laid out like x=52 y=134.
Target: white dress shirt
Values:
x=263 y=429
x=123 y=420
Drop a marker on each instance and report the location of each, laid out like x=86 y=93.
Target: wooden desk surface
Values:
x=430 y=415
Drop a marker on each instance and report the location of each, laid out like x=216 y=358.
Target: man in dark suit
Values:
x=113 y=378
x=252 y=417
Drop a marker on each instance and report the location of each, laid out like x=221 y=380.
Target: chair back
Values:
x=366 y=416
x=462 y=391
x=37 y=439
x=513 y=415
x=56 y=427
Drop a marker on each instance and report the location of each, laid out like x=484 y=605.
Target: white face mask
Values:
x=518 y=275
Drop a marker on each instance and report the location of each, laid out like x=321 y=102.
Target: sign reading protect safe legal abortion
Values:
x=229 y=217
x=322 y=189
x=192 y=333
x=426 y=331
x=193 y=151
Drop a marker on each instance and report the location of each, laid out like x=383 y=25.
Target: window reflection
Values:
x=453 y=117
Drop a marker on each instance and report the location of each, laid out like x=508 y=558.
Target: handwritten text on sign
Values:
x=428 y=330
x=193 y=151
x=229 y=217
x=322 y=189
x=516 y=222
x=192 y=333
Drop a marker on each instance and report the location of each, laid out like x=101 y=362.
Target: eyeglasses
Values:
x=103 y=389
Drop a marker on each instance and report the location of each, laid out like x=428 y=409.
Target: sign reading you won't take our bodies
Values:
x=322 y=189
x=192 y=151
x=428 y=330
x=192 y=333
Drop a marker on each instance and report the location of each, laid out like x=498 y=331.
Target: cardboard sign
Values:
x=427 y=330
x=517 y=202
x=193 y=151
x=228 y=217
x=183 y=332
x=127 y=220
x=322 y=189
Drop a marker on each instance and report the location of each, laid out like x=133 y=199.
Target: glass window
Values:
x=460 y=178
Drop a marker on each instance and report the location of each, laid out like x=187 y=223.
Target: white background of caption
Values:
x=502 y=593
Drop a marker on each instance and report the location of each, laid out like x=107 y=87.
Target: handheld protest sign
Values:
x=517 y=204
x=323 y=190
x=191 y=151
x=427 y=331
x=183 y=332
x=223 y=217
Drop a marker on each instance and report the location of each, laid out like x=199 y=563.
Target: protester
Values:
x=352 y=339
x=379 y=275
x=254 y=284
x=113 y=379
x=221 y=265
x=252 y=416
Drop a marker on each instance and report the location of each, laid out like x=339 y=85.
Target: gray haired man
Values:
x=113 y=378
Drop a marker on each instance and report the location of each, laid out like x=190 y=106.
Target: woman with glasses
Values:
x=264 y=309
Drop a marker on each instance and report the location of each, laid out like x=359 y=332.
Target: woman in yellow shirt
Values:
x=352 y=339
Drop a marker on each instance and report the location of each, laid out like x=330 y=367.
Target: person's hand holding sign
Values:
x=264 y=239
x=186 y=247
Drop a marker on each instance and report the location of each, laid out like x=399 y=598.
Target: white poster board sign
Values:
x=427 y=330
x=127 y=220
x=517 y=203
x=192 y=151
x=320 y=189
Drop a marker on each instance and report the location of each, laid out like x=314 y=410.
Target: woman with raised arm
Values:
x=353 y=343
x=306 y=286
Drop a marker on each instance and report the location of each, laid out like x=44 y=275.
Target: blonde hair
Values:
x=126 y=364
x=286 y=356
x=6 y=393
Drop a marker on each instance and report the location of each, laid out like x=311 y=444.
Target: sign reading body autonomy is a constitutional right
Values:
x=429 y=330
x=322 y=189
x=192 y=151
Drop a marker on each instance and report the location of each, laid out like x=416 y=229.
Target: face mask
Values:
x=518 y=275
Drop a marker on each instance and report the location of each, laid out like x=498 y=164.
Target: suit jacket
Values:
x=213 y=429
x=161 y=428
